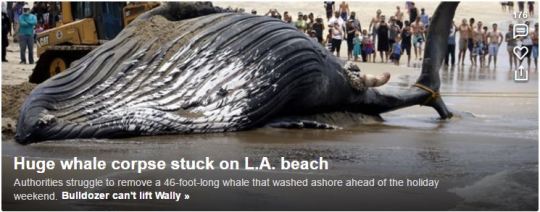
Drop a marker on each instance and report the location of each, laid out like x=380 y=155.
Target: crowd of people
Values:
x=392 y=36
x=23 y=22
x=480 y=41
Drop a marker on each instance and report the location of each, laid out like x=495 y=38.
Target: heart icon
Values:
x=521 y=51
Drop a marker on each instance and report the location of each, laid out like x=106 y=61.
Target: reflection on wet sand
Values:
x=453 y=74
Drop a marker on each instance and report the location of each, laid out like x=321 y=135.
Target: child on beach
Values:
x=357 y=49
x=328 y=40
x=396 y=51
x=364 y=36
x=313 y=36
x=367 y=45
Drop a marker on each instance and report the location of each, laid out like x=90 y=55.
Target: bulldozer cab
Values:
x=107 y=15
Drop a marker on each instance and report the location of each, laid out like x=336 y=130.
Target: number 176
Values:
x=521 y=15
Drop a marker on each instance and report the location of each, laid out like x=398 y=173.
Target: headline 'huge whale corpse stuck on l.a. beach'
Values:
x=194 y=68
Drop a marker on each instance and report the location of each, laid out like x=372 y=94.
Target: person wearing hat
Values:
x=313 y=36
x=301 y=24
x=27 y=21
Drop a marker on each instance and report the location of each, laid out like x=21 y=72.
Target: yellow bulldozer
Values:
x=83 y=26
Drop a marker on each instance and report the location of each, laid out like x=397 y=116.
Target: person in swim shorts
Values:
x=495 y=38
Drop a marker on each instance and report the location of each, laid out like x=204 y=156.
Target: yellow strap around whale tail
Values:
x=433 y=94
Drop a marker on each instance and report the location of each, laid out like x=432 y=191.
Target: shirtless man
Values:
x=495 y=39
x=373 y=25
x=463 y=40
x=478 y=48
x=344 y=10
x=470 y=42
x=418 y=37
x=399 y=17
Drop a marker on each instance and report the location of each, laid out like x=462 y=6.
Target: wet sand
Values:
x=486 y=157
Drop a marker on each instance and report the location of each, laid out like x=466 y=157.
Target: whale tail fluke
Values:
x=435 y=51
x=426 y=89
x=436 y=44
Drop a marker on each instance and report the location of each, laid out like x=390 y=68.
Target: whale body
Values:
x=198 y=69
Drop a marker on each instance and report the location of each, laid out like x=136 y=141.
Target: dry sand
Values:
x=15 y=87
x=14 y=73
x=13 y=97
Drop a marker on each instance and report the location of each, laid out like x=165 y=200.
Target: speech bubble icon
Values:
x=520 y=30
